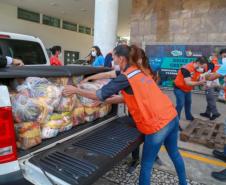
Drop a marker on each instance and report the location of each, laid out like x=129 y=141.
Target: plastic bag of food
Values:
x=88 y=86
x=91 y=113
x=35 y=87
x=51 y=128
x=46 y=110
x=77 y=79
x=28 y=134
x=102 y=82
x=104 y=110
x=60 y=80
x=67 y=124
x=24 y=109
x=67 y=104
x=78 y=115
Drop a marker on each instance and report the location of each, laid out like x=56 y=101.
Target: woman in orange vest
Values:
x=188 y=77
x=152 y=111
x=54 y=59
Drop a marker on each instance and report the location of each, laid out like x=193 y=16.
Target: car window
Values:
x=30 y=52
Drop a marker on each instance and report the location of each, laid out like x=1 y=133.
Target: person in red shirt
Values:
x=54 y=59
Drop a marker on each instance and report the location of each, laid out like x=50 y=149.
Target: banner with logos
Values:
x=169 y=58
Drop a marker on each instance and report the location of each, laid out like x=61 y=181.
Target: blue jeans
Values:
x=152 y=143
x=183 y=99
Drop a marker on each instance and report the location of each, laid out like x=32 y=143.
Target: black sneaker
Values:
x=206 y=115
x=215 y=116
x=221 y=176
x=219 y=155
x=132 y=166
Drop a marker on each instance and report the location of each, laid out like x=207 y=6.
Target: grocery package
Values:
x=46 y=110
x=67 y=103
x=60 y=80
x=77 y=79
x=102 y=82
x=25 y=108
x=88 y=86
x=78 y=115
x=51 y=128
x=91 y=113
x=15 y=83
x=67 y=124
x=104 y=110
x=40 y=87
x=28 y=134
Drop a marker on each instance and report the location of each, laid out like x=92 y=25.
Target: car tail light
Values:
x=7 y=136
x=4 y=36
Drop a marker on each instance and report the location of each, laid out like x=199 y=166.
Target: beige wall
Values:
x=178 y=21
x=50 y=36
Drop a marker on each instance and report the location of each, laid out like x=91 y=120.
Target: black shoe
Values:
x=215 y=116
x=206 y=115
x=133 y=165
x=221 y=176
x=191 y=119
x=219 y=155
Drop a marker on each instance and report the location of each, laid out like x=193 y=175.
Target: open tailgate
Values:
x=83 y=159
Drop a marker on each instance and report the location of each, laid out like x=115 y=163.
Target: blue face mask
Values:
x=220 y=60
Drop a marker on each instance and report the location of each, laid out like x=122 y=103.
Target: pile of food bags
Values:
x=41 y=112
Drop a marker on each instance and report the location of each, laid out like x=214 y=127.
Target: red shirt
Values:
x=54 y=61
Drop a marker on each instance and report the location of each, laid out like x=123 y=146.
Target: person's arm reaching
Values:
x=189 y=82
x=105 y=75
x=115 y=99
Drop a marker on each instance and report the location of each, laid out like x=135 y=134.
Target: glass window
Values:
x=84 y=29
x=30 y=52
x=71 y=57
x=28 y=15
x=69 y=26
x=51 y=21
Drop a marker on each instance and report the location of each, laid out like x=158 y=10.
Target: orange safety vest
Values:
x=216 y=64
x=150 y=108
x=179 y=81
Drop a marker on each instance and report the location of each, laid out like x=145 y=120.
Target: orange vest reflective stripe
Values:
x=179 y=81
x=150 y=108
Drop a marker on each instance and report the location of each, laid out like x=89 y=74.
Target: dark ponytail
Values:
x=54 y=49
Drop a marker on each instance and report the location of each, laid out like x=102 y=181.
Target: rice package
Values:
x=104 y=110
x=52 y=126
x=91 y=113
x=78 y=115
x=28 y=134
x=67 y=122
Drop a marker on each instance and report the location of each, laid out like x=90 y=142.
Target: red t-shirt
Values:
x=54 y=61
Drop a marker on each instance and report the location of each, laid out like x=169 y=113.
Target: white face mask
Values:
x=200 y=69
x=224 y=61
x=94 y=53
x=117 y=67
x=60 y=55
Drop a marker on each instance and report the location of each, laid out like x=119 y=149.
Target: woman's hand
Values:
x=69 y=90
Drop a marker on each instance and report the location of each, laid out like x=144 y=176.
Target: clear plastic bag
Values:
x=28 y=134
x=51 y=128
x=104 y=110
x=78 y=115
x=25 y=109
x=67 y=124
x=67 y=104
x=91 y=113
x=77 y=79
x=88 y=86
x=35 y=87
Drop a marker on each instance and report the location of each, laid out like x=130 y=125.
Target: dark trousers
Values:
x=211 y=102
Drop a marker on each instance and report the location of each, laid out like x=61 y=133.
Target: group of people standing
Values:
x=152 y=111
